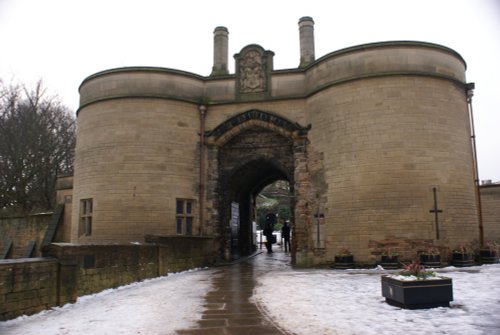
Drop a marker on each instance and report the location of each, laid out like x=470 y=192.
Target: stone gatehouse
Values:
x=369 y=138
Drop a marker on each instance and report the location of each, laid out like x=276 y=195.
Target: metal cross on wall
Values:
x=436 y=212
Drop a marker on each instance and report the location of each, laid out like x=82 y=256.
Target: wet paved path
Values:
x=228 y=307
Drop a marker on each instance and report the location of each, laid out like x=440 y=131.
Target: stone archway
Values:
x=240 y=187
x=245 y=154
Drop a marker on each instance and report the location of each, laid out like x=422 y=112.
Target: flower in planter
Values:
x=489 y=253
x=492 y=246
x=463 y=256
x=389 y=254
x=343 y=252
x=344 y=259
x=415 y=271
x=432 y=251
x=416 y=288
x=389 y=259
x=431 y=257
x=463 y=249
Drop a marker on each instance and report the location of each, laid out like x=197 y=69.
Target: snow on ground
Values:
x=304 y=302
x=349 y=302
x=150 y=307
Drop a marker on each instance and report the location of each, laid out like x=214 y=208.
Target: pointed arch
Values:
x=238 y=123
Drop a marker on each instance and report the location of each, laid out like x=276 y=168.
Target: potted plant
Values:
x=344 y=259
x=389 y=259
x=489 y=253
x=416 y=288
x=462 y=256
x=431 y=258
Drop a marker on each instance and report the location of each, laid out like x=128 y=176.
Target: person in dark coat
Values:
x=285 y=234
x=268 y=231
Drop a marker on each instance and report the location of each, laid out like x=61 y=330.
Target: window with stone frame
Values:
x=184 y=216
x=85 y=226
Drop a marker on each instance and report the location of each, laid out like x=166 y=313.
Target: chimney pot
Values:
x=220 y=66
x=306 y=31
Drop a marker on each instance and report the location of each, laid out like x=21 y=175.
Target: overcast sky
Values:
x=64 y=41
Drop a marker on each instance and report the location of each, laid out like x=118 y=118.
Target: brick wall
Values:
x=490 y=201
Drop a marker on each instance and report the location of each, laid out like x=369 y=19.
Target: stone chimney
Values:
x=220 y=67
x=306 y=30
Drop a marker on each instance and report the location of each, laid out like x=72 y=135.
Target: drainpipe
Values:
x=469 y=90
x=203 y=112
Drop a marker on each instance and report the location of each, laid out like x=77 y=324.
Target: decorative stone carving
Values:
x=252 y=77
x=253 y=68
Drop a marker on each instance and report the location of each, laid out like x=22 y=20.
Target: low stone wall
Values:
x=28 y=286
x=93 y=268
x=21 y=230
x=177 y=253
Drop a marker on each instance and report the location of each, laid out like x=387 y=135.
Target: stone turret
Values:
x=306 y=31
x=220 y=67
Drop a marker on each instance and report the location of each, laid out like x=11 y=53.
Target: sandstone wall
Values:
x=21 y=230
x=490 y=200
x=134 y=157
x=388 y=121
x=28 y=286
x=392 y=140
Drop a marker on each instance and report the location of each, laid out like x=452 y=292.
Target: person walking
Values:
x=268 y=232
x=285 y=234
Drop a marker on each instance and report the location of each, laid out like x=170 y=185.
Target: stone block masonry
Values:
x=93 y=268
x=30 y=285
x=27 y=286
x=381 y=126
x=21 y=230
x=490 y=201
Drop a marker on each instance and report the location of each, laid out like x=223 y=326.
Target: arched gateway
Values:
x=248 y=152
x=374 y=141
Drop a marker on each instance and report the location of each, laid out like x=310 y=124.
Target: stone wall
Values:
x=94 y=268
x=388 y=124
x=64 y=196
x=28 y=286
x=178 y=253
x=392 y=140
x=21 y=230
x=490 y=201
x=134 y=158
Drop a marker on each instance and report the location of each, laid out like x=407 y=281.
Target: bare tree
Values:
x=37 y=139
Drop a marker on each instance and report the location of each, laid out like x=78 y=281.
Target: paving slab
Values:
x=228 y=308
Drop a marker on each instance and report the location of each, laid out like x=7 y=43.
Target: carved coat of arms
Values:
x=252 y=72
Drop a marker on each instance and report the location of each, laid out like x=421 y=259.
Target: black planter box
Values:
x=344 y=262
x=488 y=256
x=430 y=261
x=389 y=262
x=462 y=260
x=418 y=294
